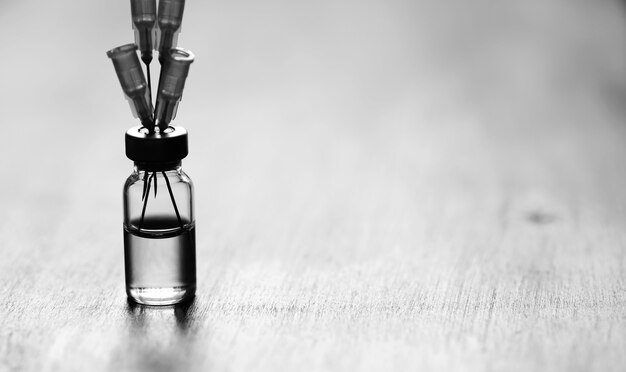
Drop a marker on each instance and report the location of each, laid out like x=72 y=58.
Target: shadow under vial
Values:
x=158 y=338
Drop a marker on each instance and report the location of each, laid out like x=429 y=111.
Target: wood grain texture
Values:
x=444 y=191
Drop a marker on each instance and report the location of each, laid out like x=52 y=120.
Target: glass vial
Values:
x=159 y=225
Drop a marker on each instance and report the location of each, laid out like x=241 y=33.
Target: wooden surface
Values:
x=380 y=186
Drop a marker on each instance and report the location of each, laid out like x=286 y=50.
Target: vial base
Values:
x=160 y=296
x=160 y=262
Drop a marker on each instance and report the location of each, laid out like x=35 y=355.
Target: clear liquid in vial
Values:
x=160 y=261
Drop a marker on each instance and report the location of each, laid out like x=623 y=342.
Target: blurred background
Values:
x=364 y=96
x=343 y=152
x=308 y=73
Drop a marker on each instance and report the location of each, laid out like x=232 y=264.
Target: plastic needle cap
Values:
x=130 y=75
x=173 y=76
x=170 y=18
x=144 y=21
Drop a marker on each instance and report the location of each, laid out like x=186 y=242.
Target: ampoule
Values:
x=159 y=225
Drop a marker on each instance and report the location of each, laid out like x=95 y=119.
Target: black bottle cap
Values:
x=169 y=145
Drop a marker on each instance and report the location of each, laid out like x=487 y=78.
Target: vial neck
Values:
x=158 y=167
